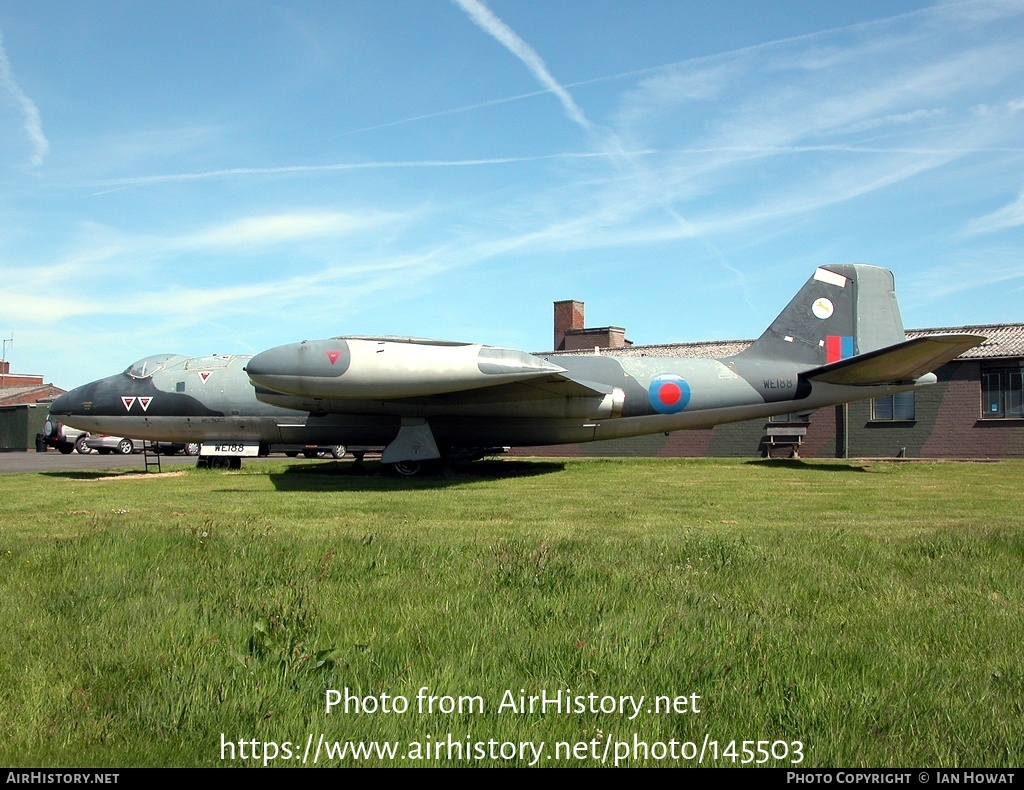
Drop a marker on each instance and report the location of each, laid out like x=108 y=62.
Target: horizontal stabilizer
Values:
x=905 y=361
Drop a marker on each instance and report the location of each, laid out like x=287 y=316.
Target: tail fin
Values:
x=843 y=310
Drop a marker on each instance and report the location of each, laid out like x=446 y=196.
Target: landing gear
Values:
x=219 y=462
x=414 y=468
x=407 y=468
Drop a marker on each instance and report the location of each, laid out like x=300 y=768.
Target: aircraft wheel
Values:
x=338 y=451
x=66 y=448
x=81 y=447
x=125 y=447
x=192 y=448
x=219 y=462
x=407 y=468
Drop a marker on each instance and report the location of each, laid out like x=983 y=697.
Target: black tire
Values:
x=192 y=448
x=81 y=447
x=66 y=448
x=338 y=451
x=125 y=447
x=407 y=468
x=292 y=453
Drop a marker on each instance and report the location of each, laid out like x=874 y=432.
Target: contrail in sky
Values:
x=33 y=123
x=489 y=23
x=694 y=61
x=315 y=169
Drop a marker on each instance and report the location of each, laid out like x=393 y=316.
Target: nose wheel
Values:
x=408 y=468
x=219 y=462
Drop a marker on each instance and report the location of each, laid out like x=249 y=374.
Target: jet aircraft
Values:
x=840 y=339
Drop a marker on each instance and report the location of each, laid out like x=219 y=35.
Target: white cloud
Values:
x=277 y=228
x=974 y=270
x=31 y=119
x=1009 y=216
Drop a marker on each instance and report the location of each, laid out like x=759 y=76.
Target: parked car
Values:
x=310 y=450
x=65 y=438
x=106 y=445
x=173 y=448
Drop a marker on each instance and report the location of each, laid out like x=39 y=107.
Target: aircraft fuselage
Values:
x=840 y=339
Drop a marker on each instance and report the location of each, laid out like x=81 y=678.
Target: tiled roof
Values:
x=713 y=349
x=13 y=392
x=1004 y=340
x=17 y=395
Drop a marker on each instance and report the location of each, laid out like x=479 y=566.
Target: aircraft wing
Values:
x=557 y=385
x=900 y=362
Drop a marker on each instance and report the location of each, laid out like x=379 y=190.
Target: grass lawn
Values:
x=839 y=614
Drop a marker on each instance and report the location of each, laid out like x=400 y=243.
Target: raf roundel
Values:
x=669 y=393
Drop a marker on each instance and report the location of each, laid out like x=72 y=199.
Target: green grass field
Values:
x=857 y=614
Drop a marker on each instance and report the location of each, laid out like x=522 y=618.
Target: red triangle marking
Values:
x=144 y=403
x=204 y=375
x=333 y=356
x=127 y=401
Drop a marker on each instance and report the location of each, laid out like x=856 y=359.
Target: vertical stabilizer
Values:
x=843 y=310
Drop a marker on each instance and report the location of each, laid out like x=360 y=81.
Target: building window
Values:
x=893 y=408
x=1001 y=391
x=801 y=419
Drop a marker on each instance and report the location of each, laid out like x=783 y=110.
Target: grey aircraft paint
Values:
x=840 y=339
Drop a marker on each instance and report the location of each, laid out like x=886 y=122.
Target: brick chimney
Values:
x=568 y=315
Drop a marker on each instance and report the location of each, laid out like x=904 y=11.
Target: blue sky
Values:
x=201 y=178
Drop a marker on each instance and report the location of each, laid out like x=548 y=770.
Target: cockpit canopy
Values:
x=146 y=367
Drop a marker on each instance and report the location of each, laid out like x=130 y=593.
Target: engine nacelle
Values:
x=386 y=368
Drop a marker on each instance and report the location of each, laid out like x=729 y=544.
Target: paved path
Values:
x=53 y=461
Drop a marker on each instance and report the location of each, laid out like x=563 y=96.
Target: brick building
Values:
x=20 y=416
x=17 y=389
x=571 y=335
